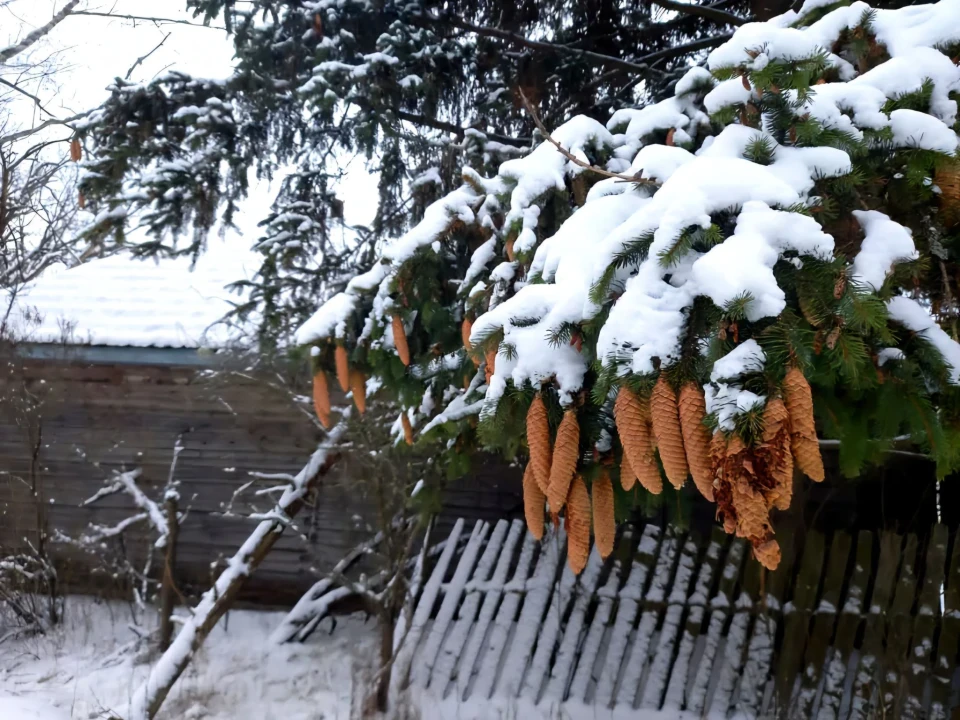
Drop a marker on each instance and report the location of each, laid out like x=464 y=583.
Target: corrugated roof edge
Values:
x=121 y=355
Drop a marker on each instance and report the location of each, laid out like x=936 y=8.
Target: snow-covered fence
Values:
x=677 y=626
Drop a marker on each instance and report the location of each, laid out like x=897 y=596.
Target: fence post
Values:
x=169 y=563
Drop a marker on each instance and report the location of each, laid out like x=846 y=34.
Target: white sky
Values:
x=94 y=50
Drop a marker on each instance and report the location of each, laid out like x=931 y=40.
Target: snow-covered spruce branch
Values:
x=149 y=697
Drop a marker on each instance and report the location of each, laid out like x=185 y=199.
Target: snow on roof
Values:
x=123 y=301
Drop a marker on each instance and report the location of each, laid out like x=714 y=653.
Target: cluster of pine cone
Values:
x=746 y=481
x=350 y=379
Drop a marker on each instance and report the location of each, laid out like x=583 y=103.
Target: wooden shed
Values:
x=154 y=371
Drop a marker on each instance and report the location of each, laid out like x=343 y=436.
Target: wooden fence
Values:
x=674 y=626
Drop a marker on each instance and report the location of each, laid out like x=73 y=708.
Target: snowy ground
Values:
x=93 y=663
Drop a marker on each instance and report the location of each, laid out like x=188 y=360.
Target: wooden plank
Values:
x=655 y=686
x=590 y=651
x=649 y=619
x=797 y=619
x=947 y=645
x=451 y=601
x=428 y=597
x=538 y=596
x=490 y=658
x=824 y=620
x=865 y=680
x=491 y=599
x=840 y=653
x=893 y=684
x=679 y=688
x=760 y=650
x=720 y=609
x=625 y=615
x=925 y=624
x=560 y=674
x=736 y=640
x=455 y=641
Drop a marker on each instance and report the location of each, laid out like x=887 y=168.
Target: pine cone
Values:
x=666 y=427
x=465 y=330
x=696 y=437
x=633 y=426
x=321 y=398
x=776 y=452
x=566 y=452
x=343 y=367
x=628 y=478
x=400 y=340
x=577 y=522
x=768 y=554
x=491 y=366
x=358 y=386
x=753 y=515
x=799 y=401
x=407 y=427
x=806 y=453
x=533 y=501
x=538 y=439
x=76 y=150
x=604 y=520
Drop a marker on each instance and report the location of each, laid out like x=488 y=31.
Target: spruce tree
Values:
x=668 y=270
x=706 y=285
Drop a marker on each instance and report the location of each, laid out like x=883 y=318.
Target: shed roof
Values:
x=122 y=301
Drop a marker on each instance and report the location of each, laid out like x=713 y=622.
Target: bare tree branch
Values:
x=30 y=38
x=139 y=60
x=704 y=11
x=147 y=18
x=528 y=106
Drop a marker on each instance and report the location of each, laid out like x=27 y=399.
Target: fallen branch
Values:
x=217 y=600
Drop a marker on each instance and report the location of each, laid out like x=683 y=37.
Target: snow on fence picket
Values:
x=679 y=626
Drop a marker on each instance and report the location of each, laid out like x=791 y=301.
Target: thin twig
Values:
x=145 y=18
x=705 y=11
x=570 y=156
x=139 y=60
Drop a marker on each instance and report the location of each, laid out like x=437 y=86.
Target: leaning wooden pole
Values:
x=217 y=600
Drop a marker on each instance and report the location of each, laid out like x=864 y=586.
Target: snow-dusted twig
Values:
x=30 y=38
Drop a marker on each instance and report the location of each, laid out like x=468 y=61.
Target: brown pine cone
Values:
x=343 y=367
x=538 y=439
x=696 y=437
x=604 y=519
x=400 y=340
x=666 y=427
x=566 y=453
x=533 y=502
x=577 y=522
x=321 y=398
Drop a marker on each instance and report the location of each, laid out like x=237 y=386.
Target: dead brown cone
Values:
x=400 y=340
x=753 y=515
x=538 y=439
x=76 y=151
x=343 y=367
x=633 y=426
x=696 y=437
x=566 y=452
x=358 y=386
x=768 y=554
x=604 y=520
x=799 y=402
x=321 y=398
x=533 y=501
x=407 y=428
x=776 y=450
x=577 y=522
x=465 y=329
x=628 y=478
x=665 y=417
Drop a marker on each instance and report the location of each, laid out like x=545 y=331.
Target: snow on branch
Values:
x=6 y=54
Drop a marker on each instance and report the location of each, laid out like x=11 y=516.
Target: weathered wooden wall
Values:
x=97 y=418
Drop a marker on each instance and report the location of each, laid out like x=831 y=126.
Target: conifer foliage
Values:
x=707 y=275
x=780 y=268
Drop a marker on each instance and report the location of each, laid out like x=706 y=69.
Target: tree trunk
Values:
x=169 y=563
x=386 y=661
